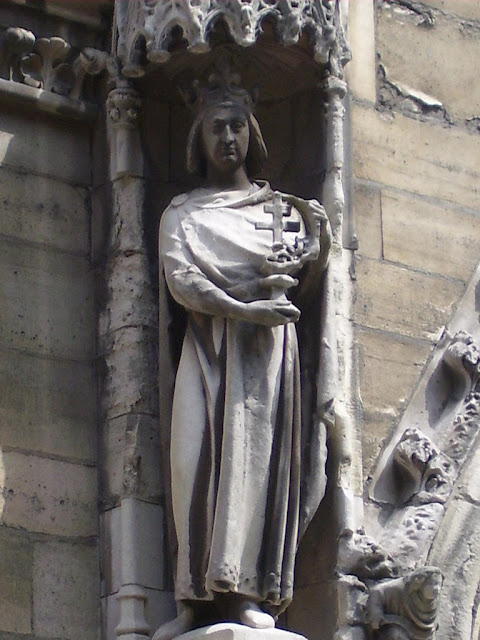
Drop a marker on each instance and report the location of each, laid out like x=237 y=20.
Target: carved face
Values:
x=423 y=589
x=225 y=138
x=432 y=586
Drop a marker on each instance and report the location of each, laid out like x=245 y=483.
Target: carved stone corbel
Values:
x=422 y=481
x=462 y=356
x=361 y=556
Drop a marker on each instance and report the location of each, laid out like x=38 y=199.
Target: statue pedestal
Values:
x=232 y=631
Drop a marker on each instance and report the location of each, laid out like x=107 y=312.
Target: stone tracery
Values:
x=148 y=30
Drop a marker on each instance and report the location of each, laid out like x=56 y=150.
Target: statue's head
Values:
x=225 y=132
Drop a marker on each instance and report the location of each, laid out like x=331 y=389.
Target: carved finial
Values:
x=46 y=66
x=49 y=64
x=90 y=61
x=17 y=43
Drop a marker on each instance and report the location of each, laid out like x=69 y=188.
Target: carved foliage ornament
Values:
x=148 y=30
x=463 y=358
x=47 y=63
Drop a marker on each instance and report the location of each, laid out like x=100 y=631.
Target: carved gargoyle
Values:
x=405 y=608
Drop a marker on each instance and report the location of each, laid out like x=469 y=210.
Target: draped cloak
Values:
x=247 y=473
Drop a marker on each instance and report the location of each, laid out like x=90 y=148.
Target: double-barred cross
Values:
x=279 y=211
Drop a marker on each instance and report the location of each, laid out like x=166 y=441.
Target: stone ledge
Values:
x=231 y=631
x=17 y=94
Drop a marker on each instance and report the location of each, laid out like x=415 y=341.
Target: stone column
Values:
x=344 y=441
x=333 y=196
x=128 y=330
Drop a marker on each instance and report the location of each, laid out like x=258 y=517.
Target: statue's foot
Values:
x=250 y=614
x=181 y=624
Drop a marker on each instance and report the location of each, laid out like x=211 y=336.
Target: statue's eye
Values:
x=237 y=126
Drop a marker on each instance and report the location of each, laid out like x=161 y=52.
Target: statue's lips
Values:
x=227 y=152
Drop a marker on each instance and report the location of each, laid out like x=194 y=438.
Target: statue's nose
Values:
x=228 y=134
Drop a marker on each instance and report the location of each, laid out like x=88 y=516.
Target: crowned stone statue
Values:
x=247 y=454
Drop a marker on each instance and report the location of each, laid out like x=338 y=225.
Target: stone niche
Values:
x=291 y=112
x=291 y=56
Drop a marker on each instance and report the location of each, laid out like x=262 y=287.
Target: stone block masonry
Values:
x=416 y=197
x=432 y=49
x=49 y=564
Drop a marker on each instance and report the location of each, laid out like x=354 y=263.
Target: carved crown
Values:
x=222 y=87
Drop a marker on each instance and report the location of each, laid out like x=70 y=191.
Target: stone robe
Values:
x=236 y=430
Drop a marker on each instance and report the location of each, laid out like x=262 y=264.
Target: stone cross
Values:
x=279 y=210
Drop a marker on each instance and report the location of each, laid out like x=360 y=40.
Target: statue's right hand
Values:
x=271 y=313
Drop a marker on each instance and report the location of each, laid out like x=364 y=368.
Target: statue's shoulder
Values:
x=190 y=199
x=178 y=201
x=176 y=210
x=179 y=209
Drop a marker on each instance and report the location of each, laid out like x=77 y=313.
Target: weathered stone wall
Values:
x=414 y=147
x=49 y=565
x=414 y=116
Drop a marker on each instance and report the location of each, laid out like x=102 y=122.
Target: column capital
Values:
x=123 y=107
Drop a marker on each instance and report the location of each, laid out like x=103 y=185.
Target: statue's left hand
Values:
x=279 y=281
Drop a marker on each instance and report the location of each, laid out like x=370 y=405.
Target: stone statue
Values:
x=247 y=468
